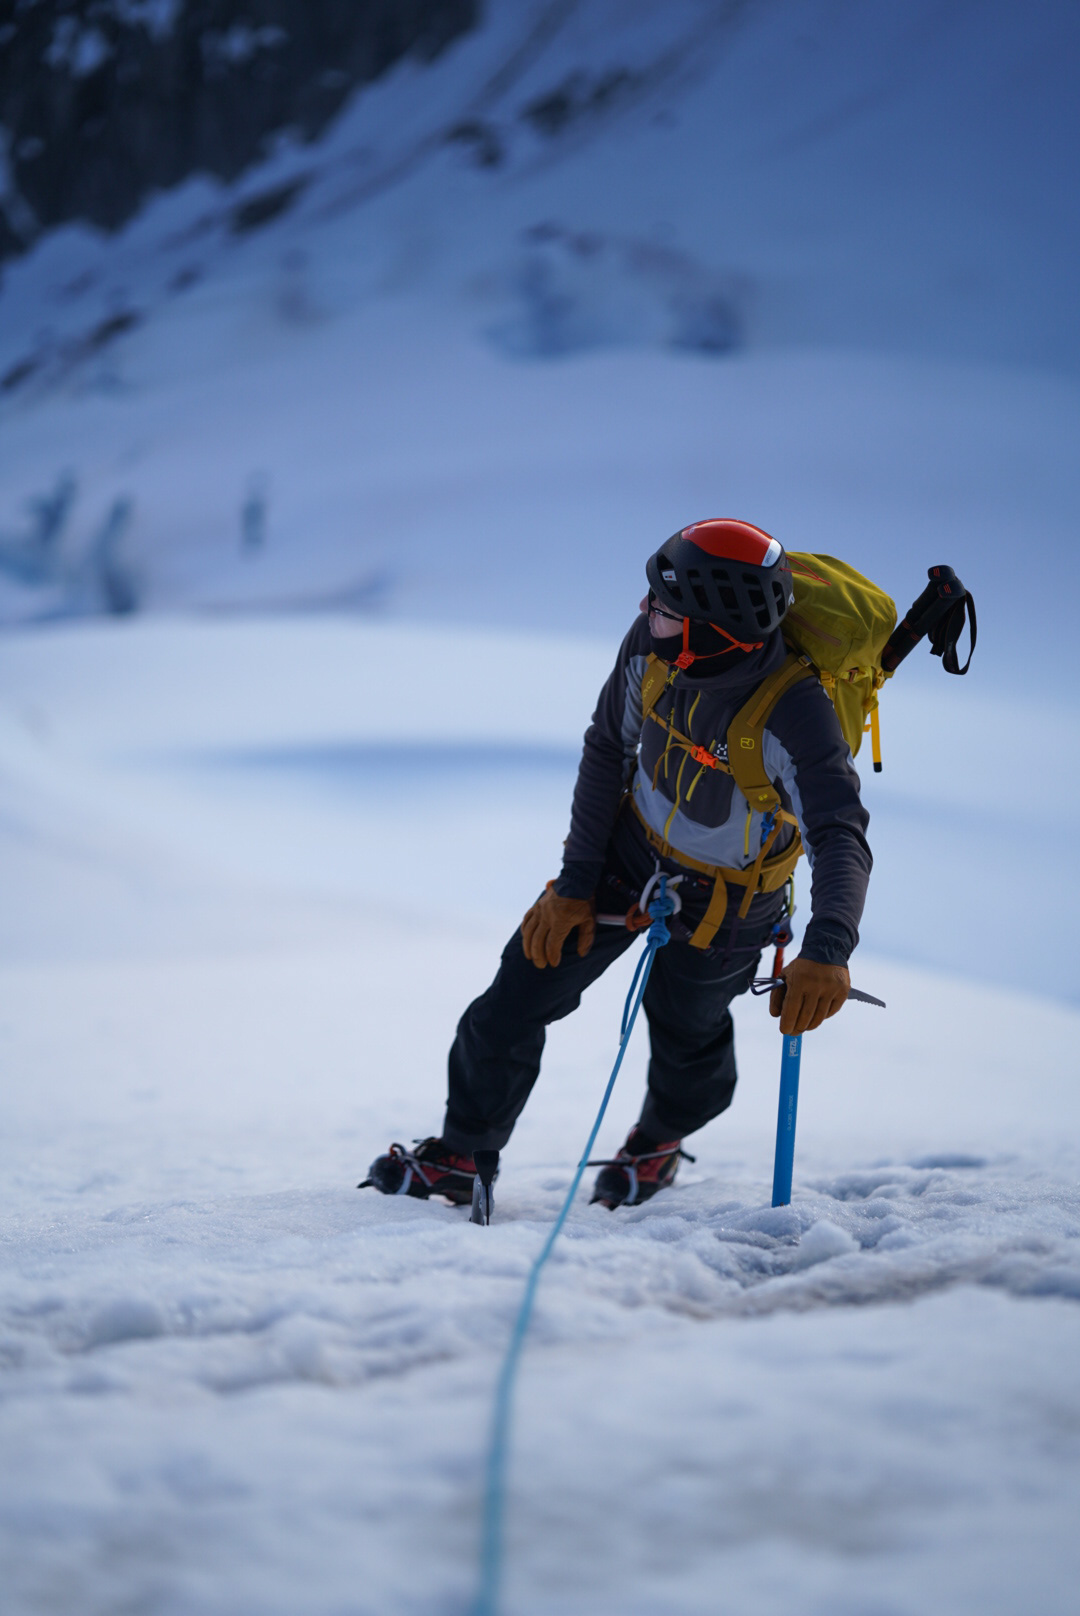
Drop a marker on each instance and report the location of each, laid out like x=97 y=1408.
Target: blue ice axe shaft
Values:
x=785 y=1121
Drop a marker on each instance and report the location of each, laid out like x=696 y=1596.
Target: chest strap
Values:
x=746 y=732
x=700 y=754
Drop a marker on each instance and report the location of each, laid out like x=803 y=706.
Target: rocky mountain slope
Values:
x=105 y=101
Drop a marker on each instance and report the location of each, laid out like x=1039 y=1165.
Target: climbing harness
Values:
x=764 y=875
x=637 y=916
x=661 y=907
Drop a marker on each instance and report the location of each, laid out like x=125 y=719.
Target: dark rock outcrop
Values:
x=104 y=101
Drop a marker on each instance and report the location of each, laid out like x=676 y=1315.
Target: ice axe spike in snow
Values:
x=784 y=1160
x=487 y=1170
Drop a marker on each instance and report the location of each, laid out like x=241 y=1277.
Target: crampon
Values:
x=641 y=1168
x=430 y=1168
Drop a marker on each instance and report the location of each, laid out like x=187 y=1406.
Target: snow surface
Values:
x=231 y=968
x=809 y=264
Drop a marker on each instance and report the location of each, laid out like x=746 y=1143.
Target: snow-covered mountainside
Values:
x=103 y=102
x=596 y=270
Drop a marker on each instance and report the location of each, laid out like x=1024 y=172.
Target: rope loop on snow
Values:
x=661 y=907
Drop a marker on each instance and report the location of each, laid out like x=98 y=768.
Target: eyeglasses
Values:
x=656 y=610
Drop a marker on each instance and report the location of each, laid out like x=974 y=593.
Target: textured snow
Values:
x=231 y=1383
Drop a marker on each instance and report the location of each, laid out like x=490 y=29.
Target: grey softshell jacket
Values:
x=701 y=811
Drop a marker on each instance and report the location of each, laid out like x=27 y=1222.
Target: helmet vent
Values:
x=698 y=588
x=758 y=604
x=729 y=599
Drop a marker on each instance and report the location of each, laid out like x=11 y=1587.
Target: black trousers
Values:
x=495 y=1058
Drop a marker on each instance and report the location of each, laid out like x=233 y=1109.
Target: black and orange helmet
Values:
x=728 y=573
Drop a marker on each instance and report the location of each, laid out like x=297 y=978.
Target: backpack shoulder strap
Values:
x=747 y=729
x=653 y=681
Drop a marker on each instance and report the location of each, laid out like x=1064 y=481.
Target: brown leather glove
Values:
x=549 y=923
x=814 y=993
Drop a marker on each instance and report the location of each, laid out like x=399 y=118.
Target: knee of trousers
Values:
x=672 y=1113
x=700 y=1027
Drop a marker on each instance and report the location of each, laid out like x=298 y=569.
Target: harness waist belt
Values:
x=764 y=875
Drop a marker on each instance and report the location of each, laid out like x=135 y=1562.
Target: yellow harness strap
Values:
x=764 y=875
x=746 y=732
x=657 y=674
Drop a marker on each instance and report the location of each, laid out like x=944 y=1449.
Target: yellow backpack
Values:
x=840 y=622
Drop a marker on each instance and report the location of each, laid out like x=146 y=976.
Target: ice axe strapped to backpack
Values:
x=940 y=611
x=849 y=638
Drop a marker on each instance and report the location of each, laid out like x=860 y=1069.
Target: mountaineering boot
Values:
x=430 y=1168
x=642 y=1167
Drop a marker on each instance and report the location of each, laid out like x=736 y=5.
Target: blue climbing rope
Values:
x=491 y=1552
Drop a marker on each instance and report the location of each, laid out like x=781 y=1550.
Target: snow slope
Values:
x=434 y=390
x=440 y=389
x=281 y=749
x=232 y=1384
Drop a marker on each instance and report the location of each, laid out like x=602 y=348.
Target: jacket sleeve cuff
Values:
x=578 y=879
x=829 y=942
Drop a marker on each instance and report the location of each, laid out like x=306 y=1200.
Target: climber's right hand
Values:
x=549 y=923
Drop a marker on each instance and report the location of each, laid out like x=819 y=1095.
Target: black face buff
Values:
x=700 y=647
